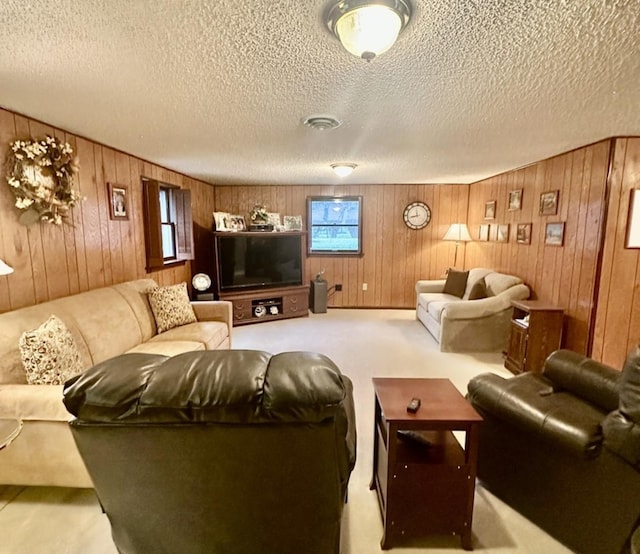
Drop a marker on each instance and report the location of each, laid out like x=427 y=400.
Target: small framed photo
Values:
x=515 y=200
x=274 y=219
x=523 y=233
x=549 y=202
x=490 y=209
x=554 y=234
x=292 y=222
x=237 y=223
x=222 y=221
x=483 y=232
x=503 y=233
x=118 y=201
x=633 y=221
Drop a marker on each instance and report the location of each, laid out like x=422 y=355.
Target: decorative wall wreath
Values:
x=41 y=175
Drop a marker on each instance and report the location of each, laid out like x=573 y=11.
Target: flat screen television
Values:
x=257 y=260
x=335 y=225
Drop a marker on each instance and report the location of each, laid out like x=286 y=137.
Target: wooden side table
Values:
x=424 y=488
x=536 y=331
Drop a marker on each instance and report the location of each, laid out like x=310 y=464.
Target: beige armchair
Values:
x=463 y=325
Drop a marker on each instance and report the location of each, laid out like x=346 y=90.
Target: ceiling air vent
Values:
x=321 y=122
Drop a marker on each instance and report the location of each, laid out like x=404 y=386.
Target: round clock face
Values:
x=417 y=215
x=201 y=281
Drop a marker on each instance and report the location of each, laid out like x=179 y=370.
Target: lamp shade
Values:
x=457 y=232
x=366 y=28
x=5 y=269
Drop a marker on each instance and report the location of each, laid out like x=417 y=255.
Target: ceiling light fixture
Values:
x=343 y=169
x=368 y=28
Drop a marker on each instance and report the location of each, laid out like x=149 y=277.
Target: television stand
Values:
x=268 y=304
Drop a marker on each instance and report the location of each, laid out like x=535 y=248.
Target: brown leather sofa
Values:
x=219 y=451
x=562 y=447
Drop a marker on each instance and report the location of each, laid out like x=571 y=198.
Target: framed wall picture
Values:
x=515 y=200
x=549 y=202
x=490 y=209
x=633 y=220
x=118 y=201
x=503 y=233
x=523 y=233
x=554 y=234
x=483 y=232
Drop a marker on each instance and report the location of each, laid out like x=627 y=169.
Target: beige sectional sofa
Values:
x=104 y=323
x=463 y=325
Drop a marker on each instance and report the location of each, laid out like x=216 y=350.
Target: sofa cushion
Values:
x=499 y=282
x=435 y=308
x=166 y=348
x=49 y=353
x=210 y=333
x=475 y=274
x=171 y=306
x=427 y=298
x=478 y=290
x=456 y=283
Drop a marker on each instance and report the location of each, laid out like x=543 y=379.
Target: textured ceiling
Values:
x=217 y=90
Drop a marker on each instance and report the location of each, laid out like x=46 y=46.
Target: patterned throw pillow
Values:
x=171 y=307
x=49 y=353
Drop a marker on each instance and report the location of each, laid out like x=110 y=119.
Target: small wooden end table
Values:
x=423 y=477
x=9 y=430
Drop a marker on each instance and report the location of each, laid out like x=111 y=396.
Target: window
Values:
x=168 y=225
x=335 y=225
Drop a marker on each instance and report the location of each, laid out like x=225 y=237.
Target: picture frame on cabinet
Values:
x=554 y=234
x=292 y=222
x=633 y=220
x=222 y=221
x=237 y=223
x=502 y=233
x=490 y=209
x=118 y=201
x=523 y=233
x=483 y=232
x=549 y=202
x=515 y=200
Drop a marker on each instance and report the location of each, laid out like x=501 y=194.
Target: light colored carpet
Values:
x=364 y=344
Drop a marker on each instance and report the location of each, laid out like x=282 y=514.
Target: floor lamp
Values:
x=459 y=233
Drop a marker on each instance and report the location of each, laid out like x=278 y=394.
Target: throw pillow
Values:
x=49 y=353
x=171 y=307
x=456 y=283
x=478 y=290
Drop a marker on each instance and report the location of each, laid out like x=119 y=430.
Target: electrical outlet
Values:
x=364 y=286
x=339 y=287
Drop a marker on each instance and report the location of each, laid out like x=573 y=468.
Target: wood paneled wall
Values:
x=566 y=275
x=617 y=327
x=395 y=257
x=51 y=261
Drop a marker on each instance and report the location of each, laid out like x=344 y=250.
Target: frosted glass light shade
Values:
x=369 y=29
x=343 y=170
x=457 y=232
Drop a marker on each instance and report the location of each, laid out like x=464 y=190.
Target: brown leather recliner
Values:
x=563 y=448
x=218 y=451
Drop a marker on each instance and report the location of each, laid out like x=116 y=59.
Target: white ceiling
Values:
x=217 y=89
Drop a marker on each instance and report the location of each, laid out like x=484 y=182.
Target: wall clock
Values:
x=417 y=215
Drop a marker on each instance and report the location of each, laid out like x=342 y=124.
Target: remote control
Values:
x=413 y=406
